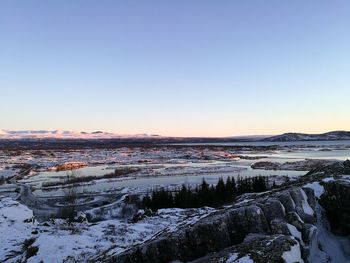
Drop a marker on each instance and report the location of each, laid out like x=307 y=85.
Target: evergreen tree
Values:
x=220 y=190
x=205 y=195
x=230 y=191
x=274 y=184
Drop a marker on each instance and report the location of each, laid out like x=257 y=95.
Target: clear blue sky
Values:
x=182 y=67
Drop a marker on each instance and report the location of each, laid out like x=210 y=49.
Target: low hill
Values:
x=328 y=136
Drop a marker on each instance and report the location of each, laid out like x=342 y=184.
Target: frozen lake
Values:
x=173 y=166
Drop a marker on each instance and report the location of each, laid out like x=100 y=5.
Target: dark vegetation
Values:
x=28 y=242
x=31 y=251
x=204 y=195
x=69 y=210
x=24 y=168
x=84 y=179
x=29 y=248
x=16 y=146
x=2 y=180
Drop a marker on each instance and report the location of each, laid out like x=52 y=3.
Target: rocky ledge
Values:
x=272 y=248
x=281 y=219
x=283 y=225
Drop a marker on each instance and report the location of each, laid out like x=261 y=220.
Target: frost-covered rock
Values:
x=258 y=249
x=57 y=241
x=265 y=215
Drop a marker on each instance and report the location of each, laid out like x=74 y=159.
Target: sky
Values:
x=175 y=68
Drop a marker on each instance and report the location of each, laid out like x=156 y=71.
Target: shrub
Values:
x=28 y=242
x=29 y=248
x=31 y=251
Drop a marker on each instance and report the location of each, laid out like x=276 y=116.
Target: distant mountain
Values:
x=328 y=136
x=59 y=134
x=100 y=135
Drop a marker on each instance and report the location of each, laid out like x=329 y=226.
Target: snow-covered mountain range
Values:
x=60 y=134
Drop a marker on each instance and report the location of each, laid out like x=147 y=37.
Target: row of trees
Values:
x=204 y=194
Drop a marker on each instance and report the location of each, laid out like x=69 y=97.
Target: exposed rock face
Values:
x=271 y=250
x=336 y=202
x=266 y=165
x=336 y=168
x=276 y=215
x=347 y=167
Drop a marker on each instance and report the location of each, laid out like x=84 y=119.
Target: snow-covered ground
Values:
x=172 y=159
x=293 y=255
x=235 y=259
x=22 y=238
x=56 y=241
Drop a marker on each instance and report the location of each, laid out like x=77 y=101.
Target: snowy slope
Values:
x=56 y=241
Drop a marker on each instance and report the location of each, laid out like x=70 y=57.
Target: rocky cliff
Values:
x=336 y=202
x=278 y=219
x=285 y=225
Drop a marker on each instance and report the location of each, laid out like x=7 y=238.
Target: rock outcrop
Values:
x=335 y=168
x=336 y=202
x=285 y=225
x=272 y=249
x=279 y=220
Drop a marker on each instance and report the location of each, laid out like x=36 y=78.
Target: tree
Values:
x=205 y=195
x=221 y=190
x=181 y=198
x=274 y=184
x=230 y=188
x=146 y=201
x=69 y=210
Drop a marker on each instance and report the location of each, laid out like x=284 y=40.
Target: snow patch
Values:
x=317 y=187
x=80 y=242
x=295 y=233
x=234 y=259
x=306 y=207
x=329 y=179
x=325 y=246
x=15 y=227
x=293 y=255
